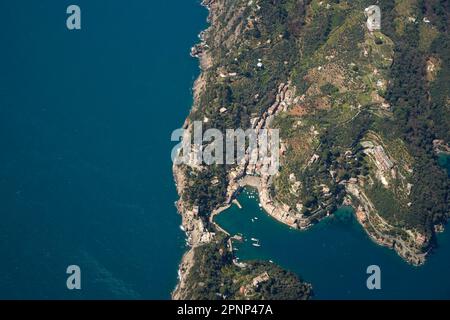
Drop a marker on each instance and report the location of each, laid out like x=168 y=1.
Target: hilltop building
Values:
x=373 y=14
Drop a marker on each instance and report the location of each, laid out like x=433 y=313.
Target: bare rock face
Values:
x=373 y=14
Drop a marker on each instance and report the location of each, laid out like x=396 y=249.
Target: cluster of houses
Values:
x=373 y=14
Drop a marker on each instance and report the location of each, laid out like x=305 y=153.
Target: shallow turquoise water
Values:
x=85 y=124
x=335 y=254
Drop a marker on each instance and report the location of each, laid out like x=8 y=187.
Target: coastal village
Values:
x=388 y=162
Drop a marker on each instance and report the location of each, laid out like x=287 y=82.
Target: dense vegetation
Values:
x=215 y=277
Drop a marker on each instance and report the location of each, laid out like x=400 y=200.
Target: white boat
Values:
x=256 y=245
x=254 y=239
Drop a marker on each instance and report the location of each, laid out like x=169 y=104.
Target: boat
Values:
x=254 y=239
x=256 y=245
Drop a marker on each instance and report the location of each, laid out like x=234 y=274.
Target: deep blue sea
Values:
x=85 y=124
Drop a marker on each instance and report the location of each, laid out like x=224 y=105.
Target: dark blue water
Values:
x=85 y=124
x=335 y=254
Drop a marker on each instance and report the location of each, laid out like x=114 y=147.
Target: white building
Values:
x=373 y=14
